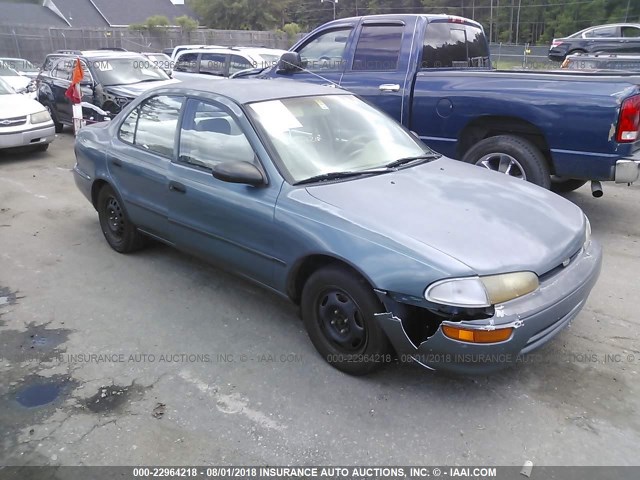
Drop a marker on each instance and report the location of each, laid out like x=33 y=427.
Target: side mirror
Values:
x=290 y=62
x=238 y=172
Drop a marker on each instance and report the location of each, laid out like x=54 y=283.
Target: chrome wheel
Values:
x=503 y=163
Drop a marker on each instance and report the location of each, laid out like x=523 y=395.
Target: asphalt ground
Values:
x=156 y=358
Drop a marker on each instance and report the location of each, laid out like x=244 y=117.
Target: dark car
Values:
x=623 y=38
x=111 y=80
x=602 y=62
x=323 y=199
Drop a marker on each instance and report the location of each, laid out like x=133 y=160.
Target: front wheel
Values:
x=120 y=233
x=57 y=125
x=513 y=156
x=338 y=309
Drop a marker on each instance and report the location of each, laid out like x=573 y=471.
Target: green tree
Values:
x=186 y=23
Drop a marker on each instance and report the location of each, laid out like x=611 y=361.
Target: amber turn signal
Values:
x=477 y=336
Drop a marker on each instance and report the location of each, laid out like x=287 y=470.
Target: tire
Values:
x=564 y=185
x=576 y=51
x=57 y=125
x=335 y=300
x=512 y=155
x=120 y=233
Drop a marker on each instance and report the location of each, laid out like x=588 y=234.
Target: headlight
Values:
x=40 y=117
x=587 y=232
x=480 y=292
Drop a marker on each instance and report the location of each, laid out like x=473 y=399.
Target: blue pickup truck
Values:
x=433 y=73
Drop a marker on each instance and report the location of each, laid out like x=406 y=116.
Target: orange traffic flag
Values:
x=73 y=92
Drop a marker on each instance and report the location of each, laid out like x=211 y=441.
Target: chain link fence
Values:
x=521 y=57
x=34 y=43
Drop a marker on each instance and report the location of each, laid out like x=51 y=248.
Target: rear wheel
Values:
x=120 y=233
x=511 y=155
x=338 y=309
x=564 y=185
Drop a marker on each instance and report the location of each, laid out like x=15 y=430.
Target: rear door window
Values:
x=603 y=32
x=630 y=32
x=454 y=45
x=213 y=63
x=378 y=48
x=156 y=124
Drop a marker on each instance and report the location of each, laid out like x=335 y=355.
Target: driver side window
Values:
x=325 y=53
x=210 y=135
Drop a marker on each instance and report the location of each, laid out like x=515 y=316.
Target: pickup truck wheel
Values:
x=564 y=185
x=120 y=233
x=512 y=156
x=338 y=311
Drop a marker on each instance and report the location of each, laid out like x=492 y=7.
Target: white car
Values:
x=22 y=66
x=17 y=81
x=223 y=62
x=23 y=121
x=181 y=48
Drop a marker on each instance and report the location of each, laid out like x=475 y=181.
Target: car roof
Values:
x=243 y=91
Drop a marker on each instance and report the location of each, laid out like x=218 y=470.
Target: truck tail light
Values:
x=629 y=122
x=556 y=43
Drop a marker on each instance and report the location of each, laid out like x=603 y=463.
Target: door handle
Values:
x=177 y=187
x=116 y=163
x=389 y=87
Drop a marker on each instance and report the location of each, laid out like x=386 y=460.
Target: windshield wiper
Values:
x=405 y=160
x=337 y=175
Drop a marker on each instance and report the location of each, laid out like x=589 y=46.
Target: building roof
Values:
x=126 y=12
x=15 y=14
x=80 y=13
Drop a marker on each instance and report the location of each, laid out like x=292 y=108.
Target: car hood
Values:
x=18 y=105
x=17 y=81
x=488 y=221
x=135 y=89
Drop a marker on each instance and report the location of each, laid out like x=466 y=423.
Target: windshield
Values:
x=7 y=71
x=125 y=71
x=19 y=64
x=333 y=133
x=5 y=88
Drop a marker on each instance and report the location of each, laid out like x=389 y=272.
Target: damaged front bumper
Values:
x=535 y=318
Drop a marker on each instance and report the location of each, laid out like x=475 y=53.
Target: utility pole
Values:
x=626 y=15
x=518 y=21
x=491 y=23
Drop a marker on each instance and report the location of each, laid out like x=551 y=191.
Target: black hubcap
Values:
x=341 y=320
x=115 y=218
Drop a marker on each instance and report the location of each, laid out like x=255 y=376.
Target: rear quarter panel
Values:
x=577 y=116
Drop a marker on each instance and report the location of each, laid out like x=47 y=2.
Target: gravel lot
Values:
x=200 y=367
